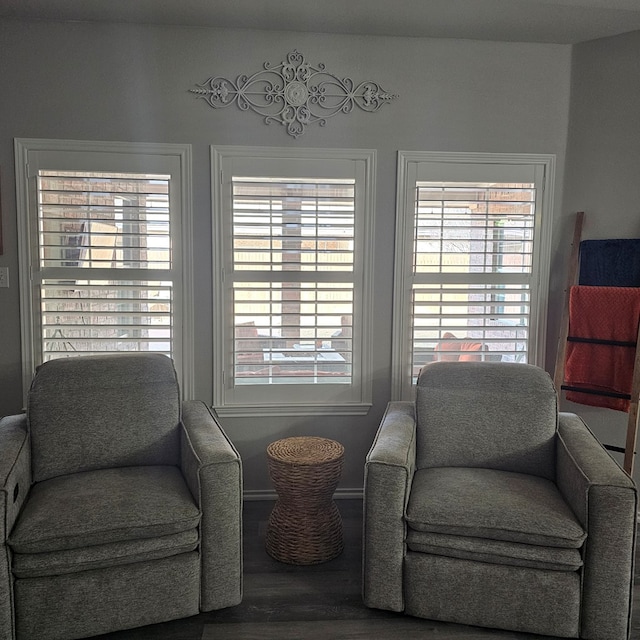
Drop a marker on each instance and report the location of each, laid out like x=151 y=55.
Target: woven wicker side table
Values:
x=305 y=526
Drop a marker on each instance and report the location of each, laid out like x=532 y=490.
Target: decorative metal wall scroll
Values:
x=293 y=93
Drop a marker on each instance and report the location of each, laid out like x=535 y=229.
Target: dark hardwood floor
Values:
x=320 y=602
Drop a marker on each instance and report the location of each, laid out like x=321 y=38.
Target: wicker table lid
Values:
x=305 y=450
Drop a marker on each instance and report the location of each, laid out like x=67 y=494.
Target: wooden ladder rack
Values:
x=629 y=449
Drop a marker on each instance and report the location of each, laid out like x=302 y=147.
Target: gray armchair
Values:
x=484 y=506
x=121 y=506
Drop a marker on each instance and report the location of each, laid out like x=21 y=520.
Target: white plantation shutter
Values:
x=470 y=264
x=304 y=229
x=293 y=225
x=117 y=226
x=479 y=239
x=84 y=317
x=101 y=237
x=295 y=256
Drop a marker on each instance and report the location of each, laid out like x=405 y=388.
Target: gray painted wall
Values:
x=126 y=82
x=603 y=166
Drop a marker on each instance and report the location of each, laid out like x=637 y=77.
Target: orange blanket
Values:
x=603 y=313
x=458 y=349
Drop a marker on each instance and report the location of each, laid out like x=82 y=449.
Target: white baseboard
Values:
x=259 y=494
x=270 y=494
x=349 y=494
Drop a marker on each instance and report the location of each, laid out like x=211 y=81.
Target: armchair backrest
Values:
x=96 y=412
x=495 y=415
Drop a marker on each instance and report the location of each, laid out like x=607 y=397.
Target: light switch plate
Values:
x=4 y=277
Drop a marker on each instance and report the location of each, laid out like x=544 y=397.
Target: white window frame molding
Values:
x=29 y=150
x=357 y=403
x=407 y=172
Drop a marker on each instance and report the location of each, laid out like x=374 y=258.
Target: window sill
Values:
x=256 y=411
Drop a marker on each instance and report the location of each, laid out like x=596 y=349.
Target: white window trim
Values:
x=359 y=406
x=25 y=195
x=401 y=385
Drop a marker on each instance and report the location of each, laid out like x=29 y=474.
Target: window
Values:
x=293 y=235
x=472 y=260
x=101 y=235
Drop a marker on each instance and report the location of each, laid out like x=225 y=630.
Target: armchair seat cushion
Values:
x=103 y=556
x=104 y=506
x=492 y=504
x=515 y=554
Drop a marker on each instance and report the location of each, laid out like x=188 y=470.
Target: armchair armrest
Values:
x=213 y=470
x=15 y=481
x=15 y=468
x=389 y=470
x=604 y=498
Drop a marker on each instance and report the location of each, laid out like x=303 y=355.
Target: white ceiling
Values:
x=551 y=21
